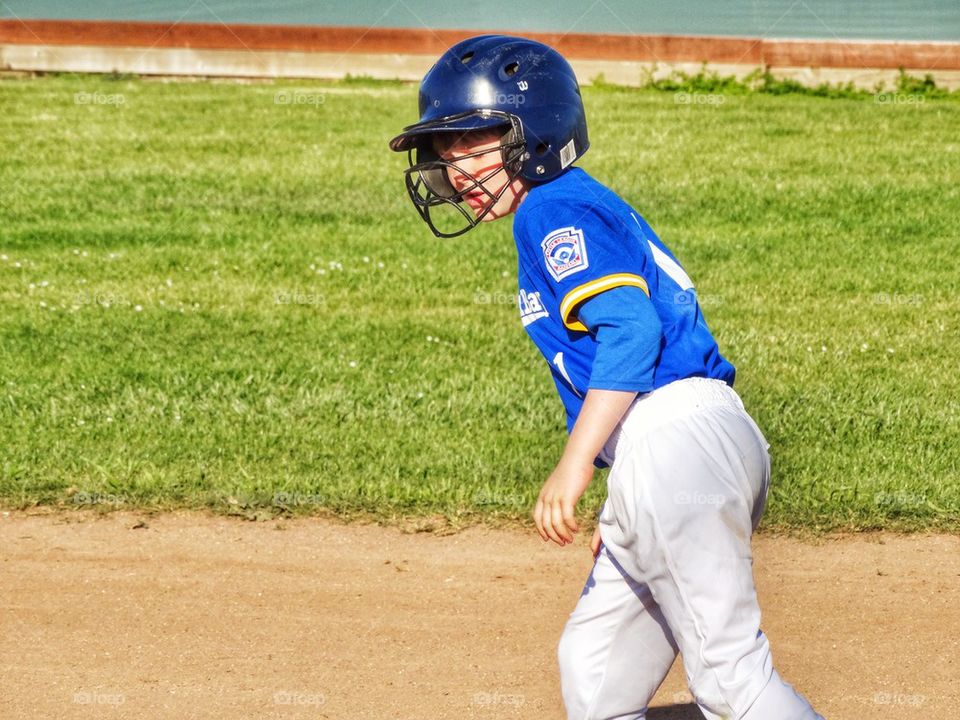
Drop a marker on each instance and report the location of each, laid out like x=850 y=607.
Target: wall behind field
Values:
x=828 y=19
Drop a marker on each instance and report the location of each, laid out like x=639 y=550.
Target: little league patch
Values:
x=565 y=252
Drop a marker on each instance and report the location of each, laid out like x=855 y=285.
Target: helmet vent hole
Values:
x=467 y=57
x=542 y=148
x=511 y=69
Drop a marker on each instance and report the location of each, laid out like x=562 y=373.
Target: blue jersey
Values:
x=576 y=238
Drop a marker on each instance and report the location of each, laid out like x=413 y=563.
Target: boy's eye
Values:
x=443 y=146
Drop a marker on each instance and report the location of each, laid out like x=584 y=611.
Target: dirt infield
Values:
x=187 y=615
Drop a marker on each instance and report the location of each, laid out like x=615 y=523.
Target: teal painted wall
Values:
x=877 y=19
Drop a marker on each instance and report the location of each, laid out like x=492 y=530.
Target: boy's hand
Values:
x=600 y=414
x=554 y=512
x=595 y=543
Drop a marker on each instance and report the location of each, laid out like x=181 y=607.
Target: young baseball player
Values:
x=645 y=388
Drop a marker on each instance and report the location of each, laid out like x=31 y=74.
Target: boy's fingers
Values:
x=537 y=521
x=549 y=526
x=568 y=516
x=595 y=542
x=559 y=524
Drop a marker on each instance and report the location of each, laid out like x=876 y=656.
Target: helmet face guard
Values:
x=442 y=207
x=484 y=82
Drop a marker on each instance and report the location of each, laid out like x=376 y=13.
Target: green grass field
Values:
x=212 y=297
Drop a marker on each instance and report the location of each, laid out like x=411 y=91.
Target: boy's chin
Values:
x=490 y=216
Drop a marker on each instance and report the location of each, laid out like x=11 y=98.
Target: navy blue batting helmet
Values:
x=521 y=86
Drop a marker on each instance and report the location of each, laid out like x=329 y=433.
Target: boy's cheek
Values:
x=496 y=212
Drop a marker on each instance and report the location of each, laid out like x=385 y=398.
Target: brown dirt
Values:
x=195 y=616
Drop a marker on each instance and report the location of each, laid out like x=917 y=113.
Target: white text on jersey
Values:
x=530 y=307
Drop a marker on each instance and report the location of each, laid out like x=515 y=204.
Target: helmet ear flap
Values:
x=432 y=173
x=513 y=151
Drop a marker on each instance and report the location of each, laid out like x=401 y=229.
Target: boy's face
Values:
x=486 y=165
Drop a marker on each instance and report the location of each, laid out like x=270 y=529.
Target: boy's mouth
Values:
x=475 y=197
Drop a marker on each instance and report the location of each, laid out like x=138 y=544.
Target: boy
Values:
x=645 y=389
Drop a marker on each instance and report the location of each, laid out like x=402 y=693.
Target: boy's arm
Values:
x=554 y=512
x=628 y=332
x=602 y=410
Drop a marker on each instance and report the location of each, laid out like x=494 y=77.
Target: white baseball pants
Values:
x=688 y=483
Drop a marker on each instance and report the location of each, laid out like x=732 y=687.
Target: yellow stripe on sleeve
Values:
x=586 y=291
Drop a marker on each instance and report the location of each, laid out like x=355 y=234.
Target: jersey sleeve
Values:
x=628 y=334
x=583 y=251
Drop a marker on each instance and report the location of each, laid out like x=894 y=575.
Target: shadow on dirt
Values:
x=675 y=712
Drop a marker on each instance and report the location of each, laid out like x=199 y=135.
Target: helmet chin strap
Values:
x=425 y=197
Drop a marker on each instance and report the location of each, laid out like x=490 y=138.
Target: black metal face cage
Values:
x=429 y=185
